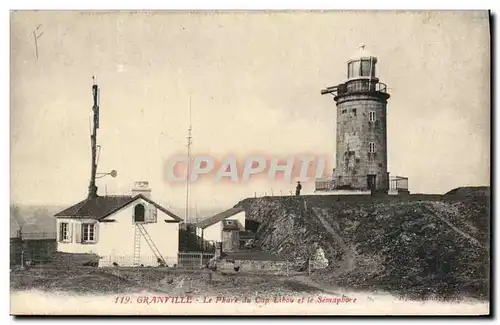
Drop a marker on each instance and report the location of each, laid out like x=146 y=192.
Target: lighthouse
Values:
x=361 y=137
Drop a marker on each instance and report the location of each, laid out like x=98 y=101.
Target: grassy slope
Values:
x=399 y=245
x=159 y=281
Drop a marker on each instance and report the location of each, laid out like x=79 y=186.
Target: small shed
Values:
x=210 y=230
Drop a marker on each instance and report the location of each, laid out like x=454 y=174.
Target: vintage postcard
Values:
x=250 y=163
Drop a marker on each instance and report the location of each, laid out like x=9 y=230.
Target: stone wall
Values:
x=257 y=266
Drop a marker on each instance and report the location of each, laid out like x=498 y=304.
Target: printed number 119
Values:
x=122 y=300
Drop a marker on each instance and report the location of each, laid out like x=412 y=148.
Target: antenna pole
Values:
x=93 y=140
x=189 y=164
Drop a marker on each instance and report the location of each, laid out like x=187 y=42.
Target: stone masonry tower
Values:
x=361 y=151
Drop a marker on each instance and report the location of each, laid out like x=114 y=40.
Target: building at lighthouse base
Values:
x=335 y=186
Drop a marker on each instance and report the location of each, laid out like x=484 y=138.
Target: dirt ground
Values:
x=87 y=280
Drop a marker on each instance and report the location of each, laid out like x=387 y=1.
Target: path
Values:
x=452 y=226
x=349 y=260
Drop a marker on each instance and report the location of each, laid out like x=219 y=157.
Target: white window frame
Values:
x=371 y=147
x=88 y=229
x=64 y=229
x=372 y=117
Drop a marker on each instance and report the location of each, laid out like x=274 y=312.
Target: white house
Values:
x=130 y=230
x=210 y=229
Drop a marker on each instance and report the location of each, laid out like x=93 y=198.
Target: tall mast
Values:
x=189 y=164
x=93 y=139
x=196 y=211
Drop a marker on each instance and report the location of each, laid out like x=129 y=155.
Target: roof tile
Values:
x=102 y=206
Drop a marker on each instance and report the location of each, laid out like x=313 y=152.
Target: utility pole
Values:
x=93 y=140
x=189 y=165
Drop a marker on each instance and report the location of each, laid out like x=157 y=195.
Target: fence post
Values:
x=309 y=266
x=22 y=259
x=201 y=260
x=287 y=273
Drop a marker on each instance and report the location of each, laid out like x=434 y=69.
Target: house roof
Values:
x=102 y=206
x=218 y=217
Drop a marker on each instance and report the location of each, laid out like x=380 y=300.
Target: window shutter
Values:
x=152 y=213
x=78 y=232
x=96 y=232
x=147 y=213
x=70 y=233
x=59 y=232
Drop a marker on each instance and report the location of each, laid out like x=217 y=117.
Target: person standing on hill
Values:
x=298 y=188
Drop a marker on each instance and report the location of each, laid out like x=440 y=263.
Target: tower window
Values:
x=350 y=70
x=354 y=69
x=365 y=68
x=354 y=111
x=371 y=147
x=372 y=116
x=344 y=111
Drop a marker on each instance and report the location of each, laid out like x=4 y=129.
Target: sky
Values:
x=254 y=81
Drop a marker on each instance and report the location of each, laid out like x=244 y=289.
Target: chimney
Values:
x=141 y=187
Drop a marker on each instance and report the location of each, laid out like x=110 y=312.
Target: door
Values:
x=226 y=241
x=371 y=181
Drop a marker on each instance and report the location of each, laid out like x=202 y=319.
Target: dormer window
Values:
x=139 y=213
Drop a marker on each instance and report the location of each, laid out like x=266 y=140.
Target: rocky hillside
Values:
x=421 y=245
